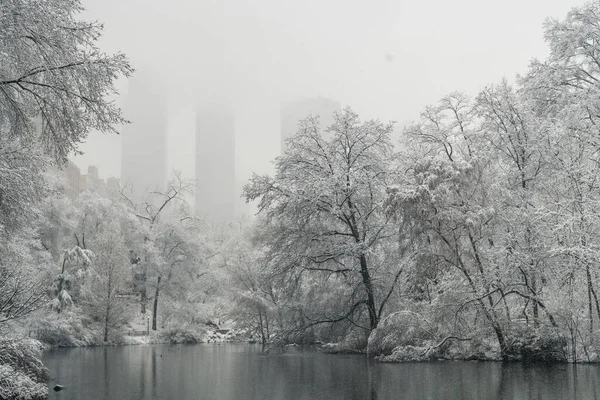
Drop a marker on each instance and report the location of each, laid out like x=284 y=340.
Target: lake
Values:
x=242 y=371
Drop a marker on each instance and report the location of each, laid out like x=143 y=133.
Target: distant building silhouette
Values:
x=144 y=140
x=215 y=163
x=72 y=175
x=76 y=182
x=92 y=181
x=298 y=109
x=112 y=187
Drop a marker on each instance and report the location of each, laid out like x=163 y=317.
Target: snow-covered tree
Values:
x=177 y=256
x=109 y=278
x=25 y=270
x=564 y=89
x=165 y=242
x=55 y=85
x=74 y=268
x=324 y=217
x=53 y=70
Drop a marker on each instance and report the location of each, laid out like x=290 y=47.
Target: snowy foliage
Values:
x=324 y=222
x=22 y=375
x=52 y=69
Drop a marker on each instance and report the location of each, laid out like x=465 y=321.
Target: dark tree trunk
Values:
x=261 y=326
x=490 y=315
x=589 y=292
x=143 y=292
x=155 y=306
x=106 y=318
x=366 y=277
x=536 y=308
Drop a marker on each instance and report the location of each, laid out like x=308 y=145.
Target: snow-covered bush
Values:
x=406 y=353
x=183 y=334
x=66 y=329
x=542 y=344
x=22 y=374
x=354 y=341
x=18 y=386
x=400 y=329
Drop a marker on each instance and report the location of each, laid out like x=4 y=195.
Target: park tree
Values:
x=54 y=72
x=70 y=228
x=109 y=279
x=25 y=270
x=165 y=244
x=518 y=139
x=67 y=284
x=256 y=297
x=447 y=202
x=564 y=90
x=178 y=252
x=323 y=216
x=55 y=87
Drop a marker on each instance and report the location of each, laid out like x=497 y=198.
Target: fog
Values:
x=386 y=59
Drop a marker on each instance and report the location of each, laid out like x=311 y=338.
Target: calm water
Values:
x=235 y=371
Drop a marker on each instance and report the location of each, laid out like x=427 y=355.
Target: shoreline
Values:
x=327 y=350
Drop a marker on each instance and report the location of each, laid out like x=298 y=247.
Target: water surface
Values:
x=240 y=372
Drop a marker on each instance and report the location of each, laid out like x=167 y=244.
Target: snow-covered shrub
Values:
x=400 y=329
x=18 y=386
x=22 y=374
x=530 y=344
x=66 y=329
x=183 y=334
x=354 y=341
x=406 y=353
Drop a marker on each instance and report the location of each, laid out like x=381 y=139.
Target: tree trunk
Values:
x=536 y=309
x=155 y=306
x=143 y=293
x=364 y=271
x=262 y=330
x=106 y=318
x=266 y=325
x=589 y=292
x=490 y=315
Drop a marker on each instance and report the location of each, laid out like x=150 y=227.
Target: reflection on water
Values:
x=235 y=371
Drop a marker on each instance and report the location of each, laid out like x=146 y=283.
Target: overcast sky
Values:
x=386 y=59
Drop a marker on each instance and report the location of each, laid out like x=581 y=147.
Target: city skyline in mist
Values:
x=386 y=60
x=217 y=191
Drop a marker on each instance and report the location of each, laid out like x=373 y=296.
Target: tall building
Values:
x=144 y=140
x=71 y=174
x=215 y=163
x=92 y=181
x=294 y=111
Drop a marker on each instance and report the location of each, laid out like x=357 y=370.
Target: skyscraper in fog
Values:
x=296 y=110
x=144 y=140
x=215 y=162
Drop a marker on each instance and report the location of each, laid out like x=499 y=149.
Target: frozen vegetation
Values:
x=475 y=237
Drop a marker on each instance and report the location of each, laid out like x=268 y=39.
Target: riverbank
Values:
x=165 y=336
x=74 y=329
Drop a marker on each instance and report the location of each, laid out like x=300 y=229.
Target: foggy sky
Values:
x=386 y=59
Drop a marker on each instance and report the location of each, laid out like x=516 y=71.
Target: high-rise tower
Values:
x=144 y=140
x=215 y=163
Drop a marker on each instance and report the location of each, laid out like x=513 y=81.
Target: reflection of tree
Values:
x=372 y=380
